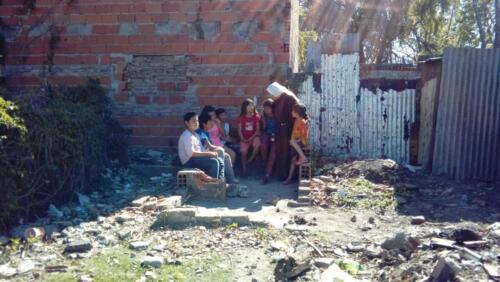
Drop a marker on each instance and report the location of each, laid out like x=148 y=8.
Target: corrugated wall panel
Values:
x=357 y=122
x=384 y=120
x=468 y=117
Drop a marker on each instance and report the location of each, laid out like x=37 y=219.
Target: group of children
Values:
x=256 y=133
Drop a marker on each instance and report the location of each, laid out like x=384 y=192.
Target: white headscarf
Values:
x=276 y=89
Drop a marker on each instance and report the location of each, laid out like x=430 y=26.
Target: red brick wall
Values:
x=158 y=58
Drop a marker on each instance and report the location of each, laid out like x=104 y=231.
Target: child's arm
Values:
x=257 y=131
x=240 y=134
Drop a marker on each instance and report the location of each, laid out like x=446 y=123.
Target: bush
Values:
x=54 y=145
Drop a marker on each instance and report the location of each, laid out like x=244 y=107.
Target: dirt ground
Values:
x=359 y=206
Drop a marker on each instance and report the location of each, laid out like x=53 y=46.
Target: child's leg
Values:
x=244 y=152
x=298 y=149
x=264 y=148
x=271 y=159
x=256 y=148
x=291 y=171
x=231 y=153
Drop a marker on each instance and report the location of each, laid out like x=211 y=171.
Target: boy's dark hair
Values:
x=301 y=110
x=204 y=119
x=219 y=112
x=244 y=106
x=189 y=116
x=207 y=109
x=268 y=103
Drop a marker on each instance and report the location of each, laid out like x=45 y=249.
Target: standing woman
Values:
x=284 y=101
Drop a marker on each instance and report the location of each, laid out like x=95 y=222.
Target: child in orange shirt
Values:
x=299 y=138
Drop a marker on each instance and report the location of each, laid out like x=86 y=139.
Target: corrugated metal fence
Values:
x=354 y=122
x=467 y=144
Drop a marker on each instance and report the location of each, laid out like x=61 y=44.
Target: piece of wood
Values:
x=439 y=242
x=314 y=247
x=474 y=244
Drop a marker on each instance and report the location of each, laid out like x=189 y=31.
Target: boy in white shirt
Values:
x=191 y=153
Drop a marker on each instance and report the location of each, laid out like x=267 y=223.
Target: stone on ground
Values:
x=334 y=273
x=6 y=271
x=139 y=245
x=25 y=266
x=445 y=270
x=151 y=261
x=78 y=246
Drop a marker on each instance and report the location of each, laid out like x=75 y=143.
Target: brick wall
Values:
x=158 y=58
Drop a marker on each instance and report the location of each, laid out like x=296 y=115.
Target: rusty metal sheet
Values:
x=467 y=144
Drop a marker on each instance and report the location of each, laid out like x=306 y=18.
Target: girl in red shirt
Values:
x=249 y=132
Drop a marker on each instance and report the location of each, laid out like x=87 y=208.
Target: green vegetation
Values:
x=304 y=39
x=120 y=264
x=54 y=144
x=394 y=31
x=354 y=187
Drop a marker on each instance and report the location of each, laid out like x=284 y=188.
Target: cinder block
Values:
x=305 y=172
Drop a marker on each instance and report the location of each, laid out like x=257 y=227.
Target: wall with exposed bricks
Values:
x=158 y=58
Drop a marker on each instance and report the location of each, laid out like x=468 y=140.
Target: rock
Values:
x=4 y=240
x=289 y=267
x=25 y=266
x=105 y=240
x=335 y=274
x=169 y=203
x=465 y=234
x=78 y=246
x=54 y=212
x=150 y=261
x=141 y=201
x=417 y=220
x=323 y=262
x=277 y=246
x=373 y=252
x=445 y=270
x=123 y=218
x=495 y=234
x=139 y=245
x=400 y=242
x=85 y=278
x=354 y=218
x=123 y=234
x=83 y=199
x=355 y=247
x=6 y=271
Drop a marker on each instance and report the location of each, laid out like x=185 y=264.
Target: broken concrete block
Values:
x=400 y=242
x=175 y=217
x=209 y=191
x=78 y=246
x=417 y=220
x=141 y=201
x=445 y=270
x=169 y=203
x=139 y=245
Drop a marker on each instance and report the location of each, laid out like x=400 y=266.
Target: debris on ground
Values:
x=370 y=220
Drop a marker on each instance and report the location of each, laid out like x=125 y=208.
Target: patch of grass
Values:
x=121 y=264
x=261 y=232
